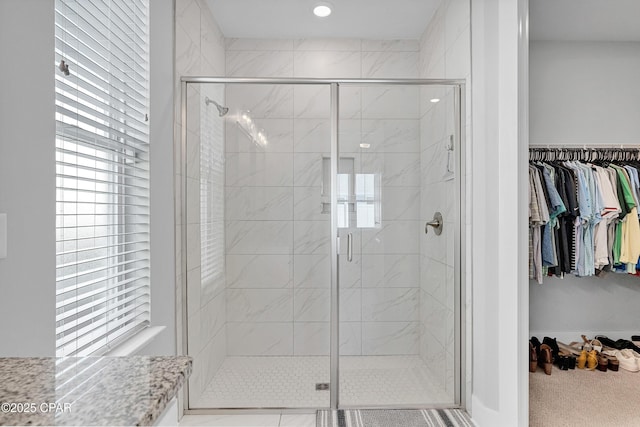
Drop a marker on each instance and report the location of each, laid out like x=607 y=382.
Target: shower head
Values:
x=222 y=111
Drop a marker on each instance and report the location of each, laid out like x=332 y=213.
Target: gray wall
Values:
x=584 y=93
x=27 y=178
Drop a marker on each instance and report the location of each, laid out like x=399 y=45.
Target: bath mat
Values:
x=393 y=418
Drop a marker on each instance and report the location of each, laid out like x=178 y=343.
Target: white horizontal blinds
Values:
x=102 y=173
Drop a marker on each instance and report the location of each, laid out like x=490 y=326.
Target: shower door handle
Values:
x=350 y=247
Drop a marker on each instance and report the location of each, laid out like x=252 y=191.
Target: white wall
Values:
x=27 y=178
x=499 y=243
x=584 y=93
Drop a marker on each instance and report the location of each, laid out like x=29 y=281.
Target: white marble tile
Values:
x=391 y=102
x=258 y=44
x=259 y=271
x=260 y=339
x=213 y=317
x=194 y=109
x=434 y=316
x=311 y=339
x=312 y=135
x=350 y=305
x=193 y=246
x=261 y=100
x=259 y=203
x=350 y=338
x=187 y=52
x=215 y=353
x=323 y=44
x=259 y=169
x=350 y=136
x=262 y=420
x=433 y=123
x=400 y=45
x=390 y=65
x=351 y=271
x=350 y=102
x=457 y=20
x=434 y=357
x=279 y=134
x=193 y=155
x=390 y=304
x=392 y=136
x=458 y=57
x=432 y=43
x=212 y=279
x=433 y=163
x=193 y=201
x=259 y=64
x=435 y=246
x=396 y=169
x=311 y=237
x=312 y=271
x=188 y=17
x=307 y=204
x=434 y=279
x=307 y=169
x=389 y=338
x=212 y=43
x=298 y=420
x=193 y=290
x=388 y=271
x=312 y=101
x=395 y=237
x=312 y=305
x=194 y=332
x=329 y=64
x=259 y=237
x=259 y=305
x=400 y=203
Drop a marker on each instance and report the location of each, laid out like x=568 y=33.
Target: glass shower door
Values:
x=397 y=284
x=258 y=245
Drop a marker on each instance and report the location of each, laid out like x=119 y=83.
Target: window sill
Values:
x=136 y=342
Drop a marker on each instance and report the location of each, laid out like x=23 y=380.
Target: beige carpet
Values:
x=584 y=398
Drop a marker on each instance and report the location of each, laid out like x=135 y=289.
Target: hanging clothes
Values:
x=583 y=218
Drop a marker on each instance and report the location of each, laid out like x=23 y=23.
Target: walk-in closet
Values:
x=584 y=162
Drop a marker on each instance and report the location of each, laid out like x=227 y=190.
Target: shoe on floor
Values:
x=627 y=360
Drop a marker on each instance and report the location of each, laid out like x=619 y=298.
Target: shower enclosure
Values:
x=321 y=248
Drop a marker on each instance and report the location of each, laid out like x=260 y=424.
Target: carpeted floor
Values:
x=584 y=398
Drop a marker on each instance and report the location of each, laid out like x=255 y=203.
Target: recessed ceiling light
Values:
x=365 y=145
x=322 y=10
x=434 y=100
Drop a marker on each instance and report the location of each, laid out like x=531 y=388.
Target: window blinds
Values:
x=102 y=173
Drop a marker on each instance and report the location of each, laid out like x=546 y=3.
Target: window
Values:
x=102 y=173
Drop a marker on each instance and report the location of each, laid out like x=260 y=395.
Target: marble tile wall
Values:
x=444 y=53
x=199 y=50
x=277 y=239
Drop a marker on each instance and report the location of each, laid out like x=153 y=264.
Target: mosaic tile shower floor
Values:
x=289 y=382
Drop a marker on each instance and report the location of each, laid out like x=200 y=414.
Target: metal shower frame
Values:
x=460 y=356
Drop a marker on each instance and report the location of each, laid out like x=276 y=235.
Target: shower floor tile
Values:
x=289 y=382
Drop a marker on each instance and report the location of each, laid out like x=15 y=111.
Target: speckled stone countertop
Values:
x=89 y=391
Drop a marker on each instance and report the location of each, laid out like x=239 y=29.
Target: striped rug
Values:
x=393 y=418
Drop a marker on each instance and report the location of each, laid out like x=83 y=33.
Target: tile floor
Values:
x=270 y=420
x=289 y=382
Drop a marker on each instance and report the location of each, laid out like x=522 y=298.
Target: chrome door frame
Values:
x=460 y=277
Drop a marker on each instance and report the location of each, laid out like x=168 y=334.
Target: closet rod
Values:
x=589 y=154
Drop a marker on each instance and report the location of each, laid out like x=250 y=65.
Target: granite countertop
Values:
x=89 y=391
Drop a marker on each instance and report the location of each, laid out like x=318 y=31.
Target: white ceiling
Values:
x=367 y=19
x=585 y=20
